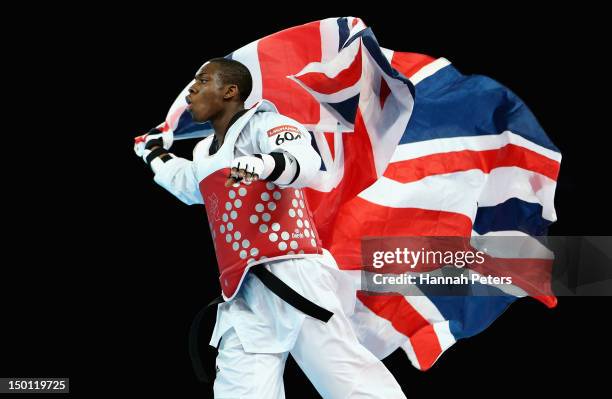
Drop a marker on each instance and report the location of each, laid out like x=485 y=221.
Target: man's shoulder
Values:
x=269 y=120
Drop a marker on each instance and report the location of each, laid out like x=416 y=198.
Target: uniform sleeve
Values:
x=282 y=134
x=178 y=176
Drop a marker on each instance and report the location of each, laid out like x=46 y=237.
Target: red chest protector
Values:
x=251 y=223
x=255 y=223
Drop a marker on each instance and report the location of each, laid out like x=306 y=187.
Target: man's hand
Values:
x=248 y=168
x=145 y=144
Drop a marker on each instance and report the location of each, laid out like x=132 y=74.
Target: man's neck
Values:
x=221 y=123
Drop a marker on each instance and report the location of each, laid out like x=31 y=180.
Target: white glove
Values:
x=144 y=143
x=250 y=168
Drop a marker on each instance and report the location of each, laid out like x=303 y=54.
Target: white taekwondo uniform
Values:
x=255 y=329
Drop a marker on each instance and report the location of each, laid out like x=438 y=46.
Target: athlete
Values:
x=283 y=292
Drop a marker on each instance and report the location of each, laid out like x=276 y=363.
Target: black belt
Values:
x=274 y=284
x=194 y=346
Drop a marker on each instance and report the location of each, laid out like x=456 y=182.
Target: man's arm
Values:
x=173 y=173
x=177 y=175
x=285 y=154
x=286 y=148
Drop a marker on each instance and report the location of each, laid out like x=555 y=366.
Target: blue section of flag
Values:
x=186 y=127
x=469 y=308
x=343 y=32
x=470 y=315
x=450 y=104
x=513 y=214
x=346 y=109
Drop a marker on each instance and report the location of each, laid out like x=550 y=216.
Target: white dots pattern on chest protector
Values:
x=274 y=222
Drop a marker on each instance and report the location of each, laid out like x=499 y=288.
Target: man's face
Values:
x=206 y=95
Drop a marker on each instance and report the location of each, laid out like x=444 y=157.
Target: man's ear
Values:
x=230 y=92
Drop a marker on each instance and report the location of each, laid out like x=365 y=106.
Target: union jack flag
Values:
x=410 y=147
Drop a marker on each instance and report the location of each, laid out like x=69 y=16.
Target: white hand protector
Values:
x=152 y=147
x=143 y=144
x=249 y=168
x=279 y=167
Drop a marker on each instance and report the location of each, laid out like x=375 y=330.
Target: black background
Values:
x=103 y=270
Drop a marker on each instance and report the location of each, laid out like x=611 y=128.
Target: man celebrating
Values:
x=284 y=293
